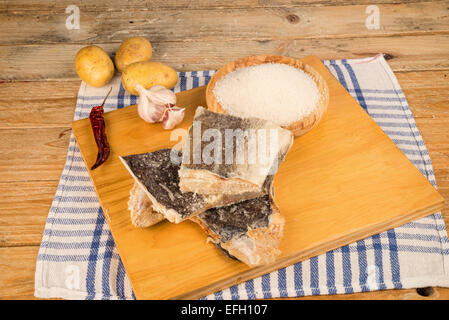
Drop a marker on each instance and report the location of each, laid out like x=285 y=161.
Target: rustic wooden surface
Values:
x=38 y=84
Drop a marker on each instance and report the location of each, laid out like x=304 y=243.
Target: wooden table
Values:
x=38 y=83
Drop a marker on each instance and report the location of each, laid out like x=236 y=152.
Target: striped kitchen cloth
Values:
x=78 y=259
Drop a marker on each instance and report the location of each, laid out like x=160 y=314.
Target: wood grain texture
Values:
x=426 y=93
x=436 y=135
x=26 y=91
x=222 y=24
x=24 y=209
x=115 y=5
x=50 y=113
x=156 y=257
x=33 y=155
x=46 y=104
x=17 y=267
x=43 y=62
x=426 y=55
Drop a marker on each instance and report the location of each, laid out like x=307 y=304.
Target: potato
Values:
x=94 y=66
x=148 y=74
x=132 y=50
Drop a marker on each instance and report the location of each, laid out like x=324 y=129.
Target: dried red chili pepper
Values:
x=99 y=130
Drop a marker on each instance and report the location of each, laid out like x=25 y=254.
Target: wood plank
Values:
x=26 y=91
x=37 y=104
x=18 y=266
x=17 y=277
x=26 y=63
x=118 y=5
x=33 y=154
x=222 y=24
x=40 y=113
x=427 y=92
x=42 y=104
x=24 y=209
x=436 y=136
x=428 y=80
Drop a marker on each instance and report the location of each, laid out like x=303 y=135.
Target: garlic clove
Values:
x=172 y=116
x=149 y=111
x=161 y=95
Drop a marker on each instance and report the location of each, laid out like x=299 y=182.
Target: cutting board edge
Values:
x=308 y=253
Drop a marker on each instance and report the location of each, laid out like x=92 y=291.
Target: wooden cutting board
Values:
x=343 y=181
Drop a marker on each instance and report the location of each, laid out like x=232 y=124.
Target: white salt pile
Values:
x=273 y=91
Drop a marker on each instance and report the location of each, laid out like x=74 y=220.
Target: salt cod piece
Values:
x=141 y=208
x=249 y=151
x=249 y=231
x=158 y=177
x=157 y=174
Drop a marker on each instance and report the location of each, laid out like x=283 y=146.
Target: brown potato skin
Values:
x=94 y=66
x=132 y=50
x=148 y=74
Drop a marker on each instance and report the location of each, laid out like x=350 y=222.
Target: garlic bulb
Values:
x=162 y=95
x=149 y=111
x=159 y=104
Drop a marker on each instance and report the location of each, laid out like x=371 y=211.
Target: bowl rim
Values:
x=299 y=127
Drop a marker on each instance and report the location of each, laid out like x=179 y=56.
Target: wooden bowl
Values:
x=299 y=127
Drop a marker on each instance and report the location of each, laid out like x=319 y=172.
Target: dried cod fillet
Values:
x=158 y=176
x=141 y=208
x=251 y=162
x=249 y=231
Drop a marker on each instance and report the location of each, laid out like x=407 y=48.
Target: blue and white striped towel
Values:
x=78 y=258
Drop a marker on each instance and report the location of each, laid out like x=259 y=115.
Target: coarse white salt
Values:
x=273 y=91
